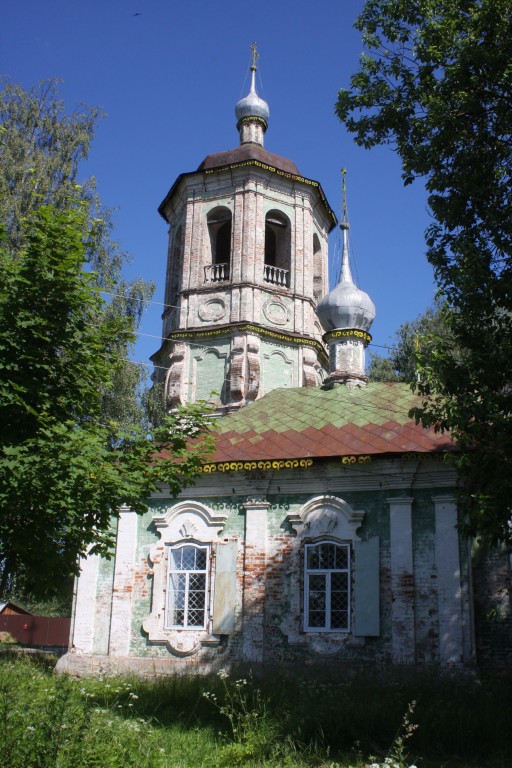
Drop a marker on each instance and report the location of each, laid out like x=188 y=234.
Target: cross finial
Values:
x=255 y=57
x=344 y=225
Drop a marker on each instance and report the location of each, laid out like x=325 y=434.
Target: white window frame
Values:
x=327 y=572
x=187 y=572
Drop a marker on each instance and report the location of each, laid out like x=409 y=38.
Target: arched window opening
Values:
x=277 y=249
x=317 y=268
x=175 y=266
x=174 y=281
x=219 y=230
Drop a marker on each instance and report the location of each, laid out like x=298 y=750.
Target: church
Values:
x=322 y=535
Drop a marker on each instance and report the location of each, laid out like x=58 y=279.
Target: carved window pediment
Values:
x=185 y=522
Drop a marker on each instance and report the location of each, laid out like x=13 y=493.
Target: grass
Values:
x=47 y=721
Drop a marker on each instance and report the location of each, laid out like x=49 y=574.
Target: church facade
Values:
x=323 y=533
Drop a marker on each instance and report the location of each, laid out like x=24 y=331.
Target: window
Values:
x=318 y=287
x=327 y=587
x=188 y=587
x=277 y=249
x=219 y=228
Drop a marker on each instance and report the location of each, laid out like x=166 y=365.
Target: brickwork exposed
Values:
x=285 y=305
x=340 y=475
x=417 y=623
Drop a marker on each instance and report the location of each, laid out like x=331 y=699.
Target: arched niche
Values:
x=210 y=375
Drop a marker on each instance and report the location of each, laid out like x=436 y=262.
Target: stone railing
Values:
x=213 y=273
x=276 y=276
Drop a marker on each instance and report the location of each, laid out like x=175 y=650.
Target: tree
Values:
x=64 y=470
x=41 y=149
x=411 y=342
x=436 y=84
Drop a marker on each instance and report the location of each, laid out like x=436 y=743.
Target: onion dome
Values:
x=252 y=106
x=346 y=306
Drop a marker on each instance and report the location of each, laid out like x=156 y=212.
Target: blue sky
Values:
x=168 y=80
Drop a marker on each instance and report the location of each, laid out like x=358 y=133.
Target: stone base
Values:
x=85 y=665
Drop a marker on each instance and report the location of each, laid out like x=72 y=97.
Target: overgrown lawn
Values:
x=48 y=721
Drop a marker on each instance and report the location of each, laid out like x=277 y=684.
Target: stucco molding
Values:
x=322 y=516
x=327 y=515
x=184 y=521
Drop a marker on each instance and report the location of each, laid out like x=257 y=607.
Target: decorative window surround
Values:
x=329 y=518
x=186 y=521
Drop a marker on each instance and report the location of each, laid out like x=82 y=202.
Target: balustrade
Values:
x=276 y=276
x=214 y=273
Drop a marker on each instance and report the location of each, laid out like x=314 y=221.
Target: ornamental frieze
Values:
x=236 y=466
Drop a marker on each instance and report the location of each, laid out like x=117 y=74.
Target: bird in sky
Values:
x=137 y=14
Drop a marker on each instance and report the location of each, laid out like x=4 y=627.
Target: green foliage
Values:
x=436 y=84
x=253 y=733
x=47 y=721
x=41 y=148
x=78 y=436
x=411 y=343
x=65 y=470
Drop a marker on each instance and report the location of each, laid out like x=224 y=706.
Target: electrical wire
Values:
x=177 y=306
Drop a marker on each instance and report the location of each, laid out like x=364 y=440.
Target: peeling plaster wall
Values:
x=424 y=576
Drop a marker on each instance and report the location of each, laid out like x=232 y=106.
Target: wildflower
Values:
x=222 y=674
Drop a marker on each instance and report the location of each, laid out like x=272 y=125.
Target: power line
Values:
x=177 y=306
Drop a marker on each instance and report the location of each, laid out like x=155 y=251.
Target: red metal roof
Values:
x=312 y=422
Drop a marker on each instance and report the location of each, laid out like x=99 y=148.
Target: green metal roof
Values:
x=313 y=422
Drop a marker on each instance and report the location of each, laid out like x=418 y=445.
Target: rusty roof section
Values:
x=249 y=152
x=312 y=422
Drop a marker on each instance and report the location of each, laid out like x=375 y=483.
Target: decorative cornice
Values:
x=356 y=459
x=251 y=328
x=248 y=466
x=347 y=333
x=278 y=172
x=252 y=119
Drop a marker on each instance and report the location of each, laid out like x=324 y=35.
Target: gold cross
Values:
x=255 y=56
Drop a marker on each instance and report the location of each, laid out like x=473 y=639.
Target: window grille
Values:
x=188 y=587
x=327 y=587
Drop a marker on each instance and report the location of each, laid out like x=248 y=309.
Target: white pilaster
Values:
x=402 y=580
x=451 y=619
x=85 y=605
x=120 y=624
x=254 y=579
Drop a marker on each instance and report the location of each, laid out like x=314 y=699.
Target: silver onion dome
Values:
x=252 y=105
x=346 y=306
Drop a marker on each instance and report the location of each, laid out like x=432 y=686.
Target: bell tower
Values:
x=246 y=265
